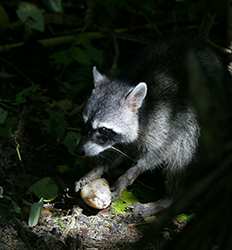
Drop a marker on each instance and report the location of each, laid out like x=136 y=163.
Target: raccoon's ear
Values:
x=98 y=78
x=136 y=96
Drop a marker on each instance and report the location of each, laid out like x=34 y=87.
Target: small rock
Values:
x=97 y=194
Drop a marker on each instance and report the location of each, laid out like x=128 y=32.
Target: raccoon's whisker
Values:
x=124 y=154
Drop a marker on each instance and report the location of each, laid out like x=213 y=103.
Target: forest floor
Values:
x=66 y=223
x=72 y=231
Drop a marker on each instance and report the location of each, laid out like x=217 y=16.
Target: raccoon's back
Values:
x=165 y=66
x=168 y=126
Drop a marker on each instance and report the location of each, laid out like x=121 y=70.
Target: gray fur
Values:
x=98 y=78
x=161 y=136
x=156 y=119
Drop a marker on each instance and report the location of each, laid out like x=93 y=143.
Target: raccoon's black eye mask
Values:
x=106 y=132
x=103 y=131
x=107 y=135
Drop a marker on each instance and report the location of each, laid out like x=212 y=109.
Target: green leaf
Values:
x=8 y=127
x=83 y=52
x=54 y=5
x=4 y=19
x=62 y=57
x=3 y=115
x=66 y=57
x=16 y=208
x=63 y=168
x=56 y=124
x=119 y=207
x=71 y=141
x=81 y=56
x=96 y=55
x=35 y=212
x=21 y=97
x=126 y=199
x=183 y=218
x=64 y=104
x=45 y=188
x=31 y=15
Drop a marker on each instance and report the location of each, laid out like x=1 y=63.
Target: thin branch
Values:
x=221 y=49
x=61 y=40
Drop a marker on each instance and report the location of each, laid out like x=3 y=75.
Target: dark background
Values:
x=47 y=51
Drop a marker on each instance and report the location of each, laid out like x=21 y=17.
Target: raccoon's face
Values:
x=111 y=114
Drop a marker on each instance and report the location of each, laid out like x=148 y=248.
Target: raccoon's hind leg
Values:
x=174 y=185
x=175 y=181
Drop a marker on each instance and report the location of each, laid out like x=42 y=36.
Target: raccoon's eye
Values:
x=106 y=132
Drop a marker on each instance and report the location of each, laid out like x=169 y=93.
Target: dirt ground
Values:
x=74 y=230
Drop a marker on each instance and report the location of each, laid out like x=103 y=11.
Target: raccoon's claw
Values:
x=115 y=192
x=92 y=175
x=115 y=195
x=81 y=183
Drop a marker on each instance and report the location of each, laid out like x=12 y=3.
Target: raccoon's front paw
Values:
x=115 y=193
x=92 y=175
x=81 y=183
x=114 y=196
x=118 y=187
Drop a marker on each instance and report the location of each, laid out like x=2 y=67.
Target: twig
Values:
x=223 y=50
x=61 y=40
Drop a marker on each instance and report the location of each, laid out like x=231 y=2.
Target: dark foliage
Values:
x=47 y=50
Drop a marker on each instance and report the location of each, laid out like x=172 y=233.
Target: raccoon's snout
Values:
x=91 y=149
x=81 y=150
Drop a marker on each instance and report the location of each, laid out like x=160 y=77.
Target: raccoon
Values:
x=149 y=116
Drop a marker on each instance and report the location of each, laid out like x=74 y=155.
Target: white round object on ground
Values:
x=97 y=194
